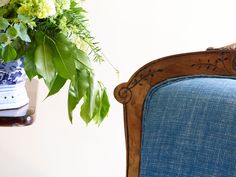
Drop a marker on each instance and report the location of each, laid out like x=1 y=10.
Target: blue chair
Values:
x=180 y=116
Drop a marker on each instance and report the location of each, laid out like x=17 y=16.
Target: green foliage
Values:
x=11 y=32
x=63 y=56
x=8 y=53
x=44 y=59
x=3 y=23
x=29 y=64
x=57 y=46
x=56 y=85
x=22 y=32
x=3 y=38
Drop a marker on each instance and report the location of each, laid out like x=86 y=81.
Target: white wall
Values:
x=131 y=33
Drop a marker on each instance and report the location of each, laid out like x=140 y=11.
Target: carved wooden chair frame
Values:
x=221 y=62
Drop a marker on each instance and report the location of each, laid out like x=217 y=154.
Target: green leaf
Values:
x=105 y=105
x=43 y=59
x=97 y=108
x=24 y=18
x=8 y=53
x=22 y=32
x=62 y=56
x=72 y=101
x=21 y=46
x=96 y=103
x=82 y=83
x=89 y=107
x=56 y=85
x=102 y=106
x=11 y=32
x=77 y=90
x=92 y=93
x=29 y=64
x=85 y=110
x=3 y=38
x=3 y=23
x=81 y=59
x=0 y=51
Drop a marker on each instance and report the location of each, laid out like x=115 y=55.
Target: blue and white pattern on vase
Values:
x=12 y=72
x=12 y=84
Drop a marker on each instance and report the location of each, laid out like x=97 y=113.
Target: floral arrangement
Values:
x=53 y=38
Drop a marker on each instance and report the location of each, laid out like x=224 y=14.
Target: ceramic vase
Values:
x=12 y=84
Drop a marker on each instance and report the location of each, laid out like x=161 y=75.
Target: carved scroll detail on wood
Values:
x=145 y=75
x=122 y=93
x=218 y=63
x=151 y=73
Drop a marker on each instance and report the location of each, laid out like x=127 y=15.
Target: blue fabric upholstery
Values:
x=189 y=129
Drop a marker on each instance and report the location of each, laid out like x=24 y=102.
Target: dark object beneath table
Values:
x=24 y=115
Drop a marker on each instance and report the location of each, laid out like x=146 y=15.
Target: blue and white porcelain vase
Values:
x=12 y=84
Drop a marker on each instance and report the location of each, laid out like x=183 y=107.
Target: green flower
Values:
x=62 y=4
x=37 y=8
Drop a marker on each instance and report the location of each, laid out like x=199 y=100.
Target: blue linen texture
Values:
x=189 y=128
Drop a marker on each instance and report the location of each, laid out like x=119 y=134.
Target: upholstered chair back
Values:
x=189 y=128
x=180 y=116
